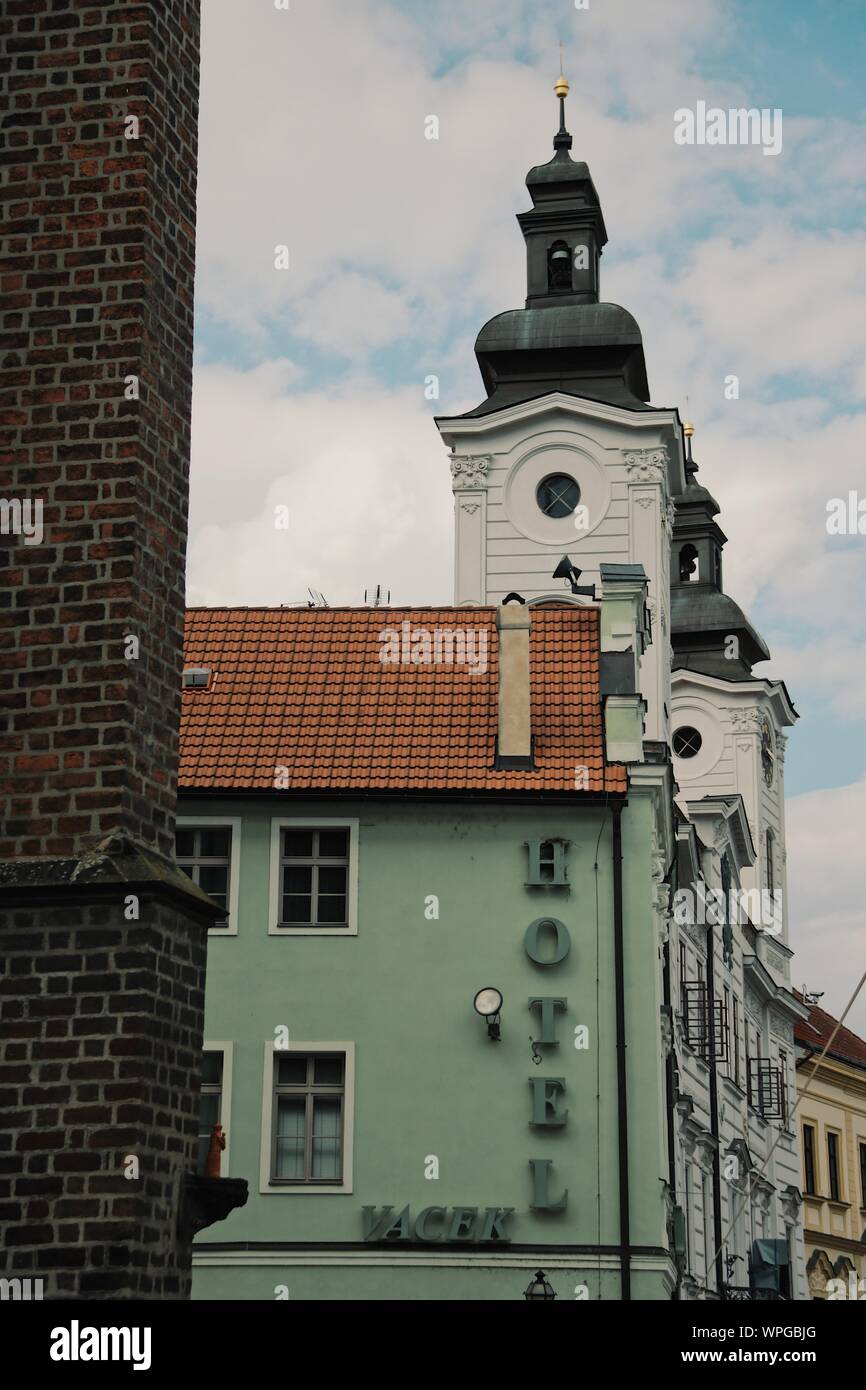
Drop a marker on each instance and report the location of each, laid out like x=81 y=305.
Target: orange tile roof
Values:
x=816 y=1031
x=305 y=689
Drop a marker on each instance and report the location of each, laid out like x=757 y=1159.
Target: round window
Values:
x=687 y=742
x=557 y=495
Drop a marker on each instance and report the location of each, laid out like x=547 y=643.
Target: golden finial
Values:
x=561 y=88
x=688 y=429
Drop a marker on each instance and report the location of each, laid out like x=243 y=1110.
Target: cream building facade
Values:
x=832 y=1123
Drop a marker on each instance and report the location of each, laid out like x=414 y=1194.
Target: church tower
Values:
x=565 y=457
x=728 y=724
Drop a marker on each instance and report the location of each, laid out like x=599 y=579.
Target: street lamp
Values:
x=540 y=1290
x=487 y=1003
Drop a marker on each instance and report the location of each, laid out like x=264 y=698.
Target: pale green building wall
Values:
x=428 y=1080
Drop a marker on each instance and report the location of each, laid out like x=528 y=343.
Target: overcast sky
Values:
x=309 y=382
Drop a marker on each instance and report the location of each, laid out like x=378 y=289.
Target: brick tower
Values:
x=102 y=939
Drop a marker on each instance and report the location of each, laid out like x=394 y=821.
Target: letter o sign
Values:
x=547 y=941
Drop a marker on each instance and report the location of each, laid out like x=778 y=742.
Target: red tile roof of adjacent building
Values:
x=305 y=690
x=816 y=1031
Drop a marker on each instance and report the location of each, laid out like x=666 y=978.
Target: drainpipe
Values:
x=670 y=1094
x=714 y=1107
x=670 y=1064
x=622 y=1104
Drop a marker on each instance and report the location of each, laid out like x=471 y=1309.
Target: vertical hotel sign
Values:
x=547 y=943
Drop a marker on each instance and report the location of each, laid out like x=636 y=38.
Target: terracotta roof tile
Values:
x=816 y=1030
x=305 y=689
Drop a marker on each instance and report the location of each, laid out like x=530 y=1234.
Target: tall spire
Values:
x=704 y=618
x=565 y=339
x=562 y=140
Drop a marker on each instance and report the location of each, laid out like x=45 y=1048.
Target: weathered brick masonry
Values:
x=97 y=287
x=102 y=940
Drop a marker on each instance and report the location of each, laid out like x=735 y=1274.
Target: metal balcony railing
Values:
x=696 y=1015
x=767 y=1088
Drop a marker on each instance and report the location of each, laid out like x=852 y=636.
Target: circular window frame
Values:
x=549 y=454
x=557 y=477
x=687 y=729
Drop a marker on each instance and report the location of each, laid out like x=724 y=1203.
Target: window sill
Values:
x=694 y=1055
x=734 y=1087
x=756 y=1115
x=307 y=930
x=284 y=1189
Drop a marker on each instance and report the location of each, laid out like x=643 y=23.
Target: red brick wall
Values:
x=97 y=285
x=102 y=1038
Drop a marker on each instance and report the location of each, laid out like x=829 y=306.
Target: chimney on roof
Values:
x=625 y=636
x=514 y=736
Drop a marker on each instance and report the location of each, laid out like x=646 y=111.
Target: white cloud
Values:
x=353 y=314
x=363 y=474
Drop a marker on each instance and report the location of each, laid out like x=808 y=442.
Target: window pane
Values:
x=328 y=1071
x=332 y=881
x=215 y=844
x=298 y=844
x=209 y=1112
x=332 y=910
x=201 y=1153
x=297 y=909
x=292 y=1071
x=208 y=1116
x=326 y=1138
x=184 y=844
x=212 y=1068
x=290 y=1137
x=297 y=880
x=333 y=844
x=214 y=880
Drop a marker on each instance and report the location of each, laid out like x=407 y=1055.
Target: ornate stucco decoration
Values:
x=781 y=740
x=646 y=465
x=782 y=1031
x=790 y=1202
x=744 y=720
x=644 y=501
x=470 y=507
x=820 y=1273
x=778 y=962
x=669 y=518
x=762 y=1191
x=469 y=470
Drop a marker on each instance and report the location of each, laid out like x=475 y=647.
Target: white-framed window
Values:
x=308 y=1118
x=215 y=1101
x=208 y=849
x=313 y=877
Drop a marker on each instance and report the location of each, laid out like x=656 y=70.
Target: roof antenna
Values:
x=317 y=599
x=377 y=600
